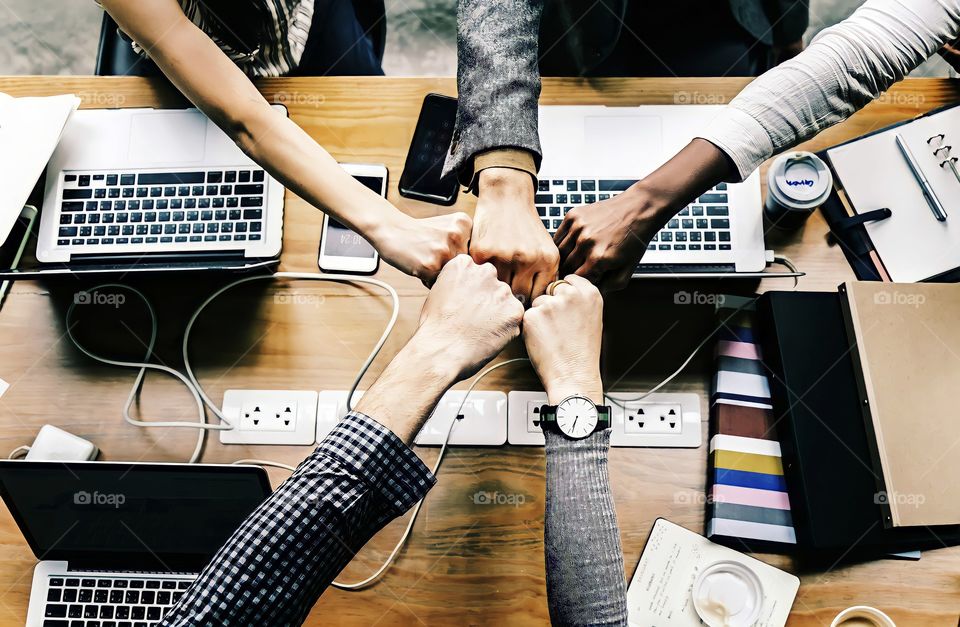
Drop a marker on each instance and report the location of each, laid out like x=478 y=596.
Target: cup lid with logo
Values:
x=727 y=594
x=799 y=180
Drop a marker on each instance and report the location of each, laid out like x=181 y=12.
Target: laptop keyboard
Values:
x=157 y=208
x=703 y=225
x=110 y=601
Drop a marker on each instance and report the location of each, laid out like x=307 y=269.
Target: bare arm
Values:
x=210 y=80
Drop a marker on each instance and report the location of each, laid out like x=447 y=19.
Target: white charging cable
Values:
x=190 y=380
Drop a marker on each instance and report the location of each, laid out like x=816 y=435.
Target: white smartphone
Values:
x=342 y=250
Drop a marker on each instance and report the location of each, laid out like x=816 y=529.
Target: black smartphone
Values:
x=421 y=178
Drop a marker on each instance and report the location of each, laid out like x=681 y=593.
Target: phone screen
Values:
x=422 y=173
x=341 y=241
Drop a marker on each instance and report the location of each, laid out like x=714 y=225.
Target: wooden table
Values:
x=466 y=563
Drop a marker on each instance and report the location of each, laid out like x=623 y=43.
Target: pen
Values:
x=935 y=206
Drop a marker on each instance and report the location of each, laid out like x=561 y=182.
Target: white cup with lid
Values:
x=727 y=594
x=797 y=184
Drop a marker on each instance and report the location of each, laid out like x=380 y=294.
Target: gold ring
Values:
x=554 y=285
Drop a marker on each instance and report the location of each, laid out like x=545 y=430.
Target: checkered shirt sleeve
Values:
x=285 y=554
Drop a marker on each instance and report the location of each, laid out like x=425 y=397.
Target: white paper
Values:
x=660 y=591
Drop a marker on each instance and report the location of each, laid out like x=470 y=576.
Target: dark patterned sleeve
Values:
x=285 y=554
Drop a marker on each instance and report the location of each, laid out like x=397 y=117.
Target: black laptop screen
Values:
x=144 y=516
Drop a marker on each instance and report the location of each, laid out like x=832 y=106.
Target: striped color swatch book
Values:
x=747 y=495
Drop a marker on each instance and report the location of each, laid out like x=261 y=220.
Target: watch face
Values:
x=577 y=417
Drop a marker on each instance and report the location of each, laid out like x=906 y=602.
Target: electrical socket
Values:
x=658 y=420
x=484 y=421
x=523 y=418
x=270 y=417
x=646 y=417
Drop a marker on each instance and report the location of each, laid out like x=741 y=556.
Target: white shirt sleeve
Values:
x=844 y=68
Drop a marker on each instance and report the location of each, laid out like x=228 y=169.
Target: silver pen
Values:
x=935 y=205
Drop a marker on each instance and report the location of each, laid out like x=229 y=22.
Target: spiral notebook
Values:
x=912 y=244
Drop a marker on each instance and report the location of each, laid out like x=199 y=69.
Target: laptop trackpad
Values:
x=167 y=137
x=623 y=146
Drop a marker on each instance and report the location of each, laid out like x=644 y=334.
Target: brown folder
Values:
x=908 y=361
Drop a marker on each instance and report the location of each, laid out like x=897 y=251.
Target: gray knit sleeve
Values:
x=584 y=561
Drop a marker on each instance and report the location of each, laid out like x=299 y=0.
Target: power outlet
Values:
x=483 y=422
x=523 y=418
x=643 y=417
x=264 y=416
x=659 y=420
x=270 y=417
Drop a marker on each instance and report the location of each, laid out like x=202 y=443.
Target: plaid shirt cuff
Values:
x=379 y=458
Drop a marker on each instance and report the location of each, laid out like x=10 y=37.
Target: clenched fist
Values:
x=421 y=247
x=470 y=314
x=562 y=334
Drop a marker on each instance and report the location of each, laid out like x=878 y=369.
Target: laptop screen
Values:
x=166 y=517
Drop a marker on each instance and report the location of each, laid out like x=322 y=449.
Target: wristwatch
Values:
x=575 y=417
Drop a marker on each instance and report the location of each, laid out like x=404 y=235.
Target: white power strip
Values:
x=658 y=420
x=489 y=418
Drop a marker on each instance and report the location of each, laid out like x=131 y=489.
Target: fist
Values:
x=421 y=247
x=562 y=334
x=507 y=233
x=470 y=314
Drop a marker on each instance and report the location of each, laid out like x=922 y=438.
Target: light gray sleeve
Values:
x=498 y=80
x=845 y=67
x=586 y=584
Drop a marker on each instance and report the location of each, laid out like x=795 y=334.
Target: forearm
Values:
x=188 y=58
x=306 y=168
x=698 y=167
x=284 y=555
x=846 y=67
x=407 y=391
x=586 y=584
x=498 y=80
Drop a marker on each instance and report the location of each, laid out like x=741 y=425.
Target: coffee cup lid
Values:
x=800 y=180
x=727 y=594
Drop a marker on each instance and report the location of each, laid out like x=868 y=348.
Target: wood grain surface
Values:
x=466 y=563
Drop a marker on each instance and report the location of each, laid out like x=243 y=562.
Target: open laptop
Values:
x=591 y=153
x=135 y=188
x=119 y=542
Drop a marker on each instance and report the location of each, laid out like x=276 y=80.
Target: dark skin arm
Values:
x=604 y=241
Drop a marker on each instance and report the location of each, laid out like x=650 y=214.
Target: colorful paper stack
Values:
x=747 y=499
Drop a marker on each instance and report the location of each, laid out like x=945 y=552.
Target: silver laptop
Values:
x=592 y=153
x=120 y=542
x=135 y=186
